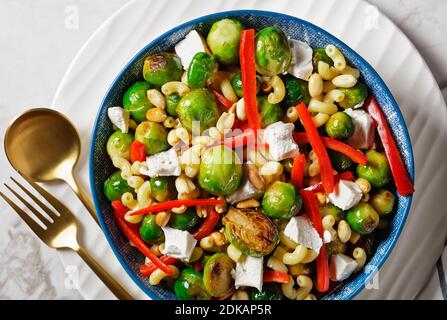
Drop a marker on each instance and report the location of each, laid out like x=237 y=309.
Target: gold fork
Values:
x=60 y=230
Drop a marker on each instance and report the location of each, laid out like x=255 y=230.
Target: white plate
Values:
x=356 y=23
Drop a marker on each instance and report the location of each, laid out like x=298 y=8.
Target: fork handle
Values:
x=108 y=280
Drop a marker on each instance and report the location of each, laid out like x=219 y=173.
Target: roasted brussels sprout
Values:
x=223 y=40
x=354 y=95
x=273 y=53
x=171 y=104
x=189 y=286
x=320 y=55
x=377 y=170
x=250 y=231
x=281 y=201
x=220 y=170
x=336 y=247
x=270 y=113
x=236 y=82
x=119 y=144
x=200 y=69
x=153 y=135
x=159 y=188
x=150 y=231
x=217 y=275
x=330 y=209
x=161 y=68
x=296 y=91
x=184 y=221
x=135 y=100
x=198 y=111
x=270 y=291
x=383 y=202
x=339 y=161
x=363 y=219
x=340 y=126
x=115 y=186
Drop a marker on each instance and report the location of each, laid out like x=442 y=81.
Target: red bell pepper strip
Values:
x=248 y=70
x=311 y=206
x=198 y=266
x=327 y=177
x=347 y=175
x=146 y=269
x=297 y=173
x=208 y=225
x=276 y=276
x=177 y=203
x=227 y=104
x=134 y=237
x=336 y=145
x=400 y=174
x=137 y=151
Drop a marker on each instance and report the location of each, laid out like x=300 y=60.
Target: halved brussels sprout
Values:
x=184 y=221
x=223 y=40
x=320 y=55
x=270 y=113
x=354 y=95
x=217 y=275
x=296 y=91
x=200 y=69
x=236 y=82
x=339 y=161
x=198 y=111
x=135 y=100
x=115 y=186
x=340 y=126
x=161 y=68
x=383 y=202
x=153 y=135
x=189 y=286
x=119 y=144
x=362 y=218
x=281 y=201
x=150 y=231
x=220 y=170
x=377 y=170
x=250 y=231
x=330 y=209
x=171 y=104
x=159 y=188
x=270 y=291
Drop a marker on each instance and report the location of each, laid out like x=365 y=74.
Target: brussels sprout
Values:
x=184 y=221
x=150 y=231
x=153 y=135
x=281 y=201
x=161 y=68
x=335 y=247
x=362 y=218
x=377 y=170
x=330 y=209
x=119 y=144
x=340 y=126
x=159 y=188
x=383 y=202
x=200 y=69
x=223 y=40
x=250 y=231
x=198 y=106
x=273 y=53
x=115 y=186
x=354 y=95
x=236 y=82
x=270 y=291
x=171 y=104
x=270 y=113
x=339 y=161
x=189 y=286
x=217 y=275
x=135 y=100
x=296 y=91
x=220 y=170
x=320 y=55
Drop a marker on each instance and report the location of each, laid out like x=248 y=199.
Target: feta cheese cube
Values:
x=162 y=164
x=346 y=194
x=178 y=244
x=301 y=63
x=280 y=140
x=246 y=191
x=363 y=136
x=188 y=47
x=341 y=267
x=119 y=117
x=249 y=273
x=300 y=230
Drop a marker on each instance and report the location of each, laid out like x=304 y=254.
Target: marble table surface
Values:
x=39 y=39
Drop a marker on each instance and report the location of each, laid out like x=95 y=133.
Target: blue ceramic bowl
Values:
x=101 y=166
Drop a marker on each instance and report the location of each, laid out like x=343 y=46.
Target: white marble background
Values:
x=37 y=43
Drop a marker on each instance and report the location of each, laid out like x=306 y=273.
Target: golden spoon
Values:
x=44 y=145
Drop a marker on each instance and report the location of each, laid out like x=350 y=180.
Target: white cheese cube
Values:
x=280 y=140
x=300 y=230
x=363 y=136
x=249 y=273
x=178 y=244
x=345 y=195
x=301 y=64
x=246 y=191
x=163 y=164
x=119 y=117
x=188 y=47
x=341 y=267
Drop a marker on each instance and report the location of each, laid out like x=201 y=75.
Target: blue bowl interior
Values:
x=101 y=166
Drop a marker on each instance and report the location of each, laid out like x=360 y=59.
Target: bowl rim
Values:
x=357 y=287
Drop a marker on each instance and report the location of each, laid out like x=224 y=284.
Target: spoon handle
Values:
x=82 y=195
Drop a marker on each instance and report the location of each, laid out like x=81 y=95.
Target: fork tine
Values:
x=38 y=230
x=39 y=216
x=35 y=199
